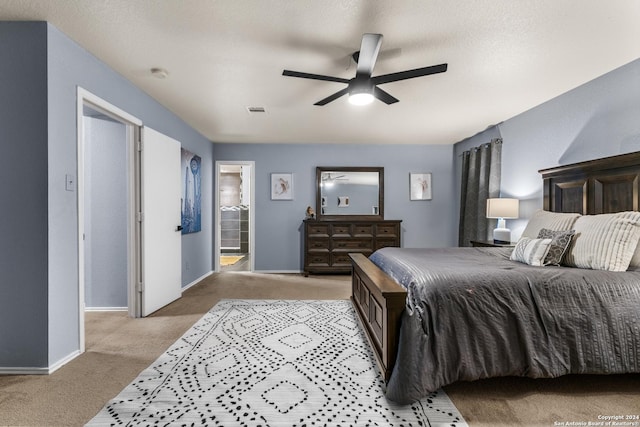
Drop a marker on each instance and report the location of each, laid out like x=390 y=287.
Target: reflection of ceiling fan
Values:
x=328 y=178
x=363 y=87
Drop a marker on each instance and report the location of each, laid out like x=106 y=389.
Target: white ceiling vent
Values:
x=256 y=110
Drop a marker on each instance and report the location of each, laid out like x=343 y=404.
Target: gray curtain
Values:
x=480 y=180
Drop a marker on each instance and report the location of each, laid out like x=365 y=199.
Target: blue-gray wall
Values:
x=41 y=69
x=278 y=228
x=23 y=195
x=598 y=119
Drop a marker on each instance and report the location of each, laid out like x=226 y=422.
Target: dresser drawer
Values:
x=318 y=244
x=318 y=259
x=356 y=245
x=317 y=229
x=341 y=259
x=340 y=230
x=363 y=230
x=390 y=230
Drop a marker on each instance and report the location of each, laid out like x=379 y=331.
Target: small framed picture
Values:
x=420 y=186
x=281 y=186
x=343 y=201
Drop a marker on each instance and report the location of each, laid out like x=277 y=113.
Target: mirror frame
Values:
x=321 y=169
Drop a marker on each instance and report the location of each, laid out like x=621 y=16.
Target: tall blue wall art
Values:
x=191 y=201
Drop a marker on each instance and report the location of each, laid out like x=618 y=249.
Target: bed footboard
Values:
x=379 y=301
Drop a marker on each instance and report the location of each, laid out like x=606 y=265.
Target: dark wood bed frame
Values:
x=604 y=185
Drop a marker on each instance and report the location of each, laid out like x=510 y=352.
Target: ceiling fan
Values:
x=363 y=88
x=328 y=177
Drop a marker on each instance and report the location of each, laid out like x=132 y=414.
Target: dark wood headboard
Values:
x=606 y=185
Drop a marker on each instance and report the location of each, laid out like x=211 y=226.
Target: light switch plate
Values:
x=70 y=182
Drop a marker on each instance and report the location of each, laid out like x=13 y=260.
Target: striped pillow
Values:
x=531 y=251
x=550 y=220
x=604 y=242
x=635 y=259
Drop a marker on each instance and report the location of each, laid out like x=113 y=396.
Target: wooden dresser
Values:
x=327 y=244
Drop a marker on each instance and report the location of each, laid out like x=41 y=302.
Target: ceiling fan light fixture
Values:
x=360 y=91
x=361 y=98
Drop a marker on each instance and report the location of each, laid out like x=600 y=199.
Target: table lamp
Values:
x=502 y=209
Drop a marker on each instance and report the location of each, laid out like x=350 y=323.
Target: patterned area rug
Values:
x=270 y=363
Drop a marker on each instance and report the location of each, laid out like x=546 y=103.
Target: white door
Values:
x=161 y=219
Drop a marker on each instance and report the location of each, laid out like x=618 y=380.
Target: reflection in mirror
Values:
x=349 y=192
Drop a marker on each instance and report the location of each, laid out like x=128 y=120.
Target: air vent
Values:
x=256 y=110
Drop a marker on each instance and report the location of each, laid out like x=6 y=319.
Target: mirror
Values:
x=353 y=192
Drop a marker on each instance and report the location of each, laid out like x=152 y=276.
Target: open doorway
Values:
x=234 y=207
x=107 y=202
x=106 y=207
x=128 y=190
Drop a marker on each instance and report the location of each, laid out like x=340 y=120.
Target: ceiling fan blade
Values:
x=368 y=54
x=409 y=74
x=384 y=96
x=290 y=73
x=333 y=97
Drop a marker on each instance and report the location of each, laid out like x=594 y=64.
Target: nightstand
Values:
x=490 y=244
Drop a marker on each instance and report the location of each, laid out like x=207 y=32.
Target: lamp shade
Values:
x=502 y=208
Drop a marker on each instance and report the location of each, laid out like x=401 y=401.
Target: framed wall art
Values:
x=281 y=186
x=191 y=192
x=420 y=186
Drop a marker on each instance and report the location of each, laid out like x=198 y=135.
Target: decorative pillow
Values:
x=560 y=241
x=531 y=251
x=604 y=242
x=550 y=220
x=635 y=259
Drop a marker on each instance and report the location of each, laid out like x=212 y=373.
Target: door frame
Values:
x=252 y=204
x=132 y=124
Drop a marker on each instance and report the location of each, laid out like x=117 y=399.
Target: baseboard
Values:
x=106 y=309
x=60 y=363
x=40 y=371
x=24 y=371
x=198 y=280
x=278 y=271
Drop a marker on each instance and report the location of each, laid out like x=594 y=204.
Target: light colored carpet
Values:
x=270 y=363
x=119 y=348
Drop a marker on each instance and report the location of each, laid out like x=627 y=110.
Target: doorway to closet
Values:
x=234 y=207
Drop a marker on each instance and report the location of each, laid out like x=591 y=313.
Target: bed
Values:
x=437 y=316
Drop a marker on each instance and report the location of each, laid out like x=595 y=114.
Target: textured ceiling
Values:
x=223 y=56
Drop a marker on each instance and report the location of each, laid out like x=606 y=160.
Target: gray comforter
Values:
x=472 y=313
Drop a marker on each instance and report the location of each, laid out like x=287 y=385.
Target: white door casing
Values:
x=160 y=221
x=86 y=98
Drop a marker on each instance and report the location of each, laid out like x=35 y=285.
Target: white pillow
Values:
x=555 y=221
x=635 y=259
x=604 y=242
x=531 y=251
